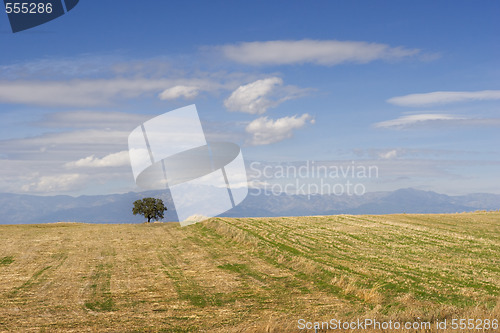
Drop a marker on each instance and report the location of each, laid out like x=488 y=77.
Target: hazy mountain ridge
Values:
x=116 y=208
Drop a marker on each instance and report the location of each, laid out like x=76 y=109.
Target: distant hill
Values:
x=399 y=201
x=116 y=208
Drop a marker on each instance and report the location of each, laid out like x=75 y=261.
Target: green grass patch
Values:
x=101 y=299
x=5 y=261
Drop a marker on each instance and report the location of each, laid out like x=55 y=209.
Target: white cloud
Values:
x=56 y=183
x=91 y=92
x=260 y=95
x=59 y=67
x=266 y=131
x=92 y=119
x=252 y=98
x=111 y=160
x=427 y=119
x=80 y=93
x=444 y=97
x=86 y=137
x=388 y=155
x=407 y=121
x=179 y=91
x=321 y=52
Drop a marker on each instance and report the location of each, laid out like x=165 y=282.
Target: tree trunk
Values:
x=149 y=219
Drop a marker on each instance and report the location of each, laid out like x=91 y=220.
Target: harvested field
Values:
x=250 y=275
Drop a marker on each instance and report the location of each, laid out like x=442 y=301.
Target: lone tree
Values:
x=150 y=208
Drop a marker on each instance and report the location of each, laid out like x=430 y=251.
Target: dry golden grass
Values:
x=249 y=275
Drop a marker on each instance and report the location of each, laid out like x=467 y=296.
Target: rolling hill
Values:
x=251 y=274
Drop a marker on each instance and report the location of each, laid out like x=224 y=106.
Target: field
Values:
x=250 y=275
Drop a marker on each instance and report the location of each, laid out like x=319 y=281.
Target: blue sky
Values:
x=412 y=87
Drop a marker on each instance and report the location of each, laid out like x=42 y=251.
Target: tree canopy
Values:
x=150 y=208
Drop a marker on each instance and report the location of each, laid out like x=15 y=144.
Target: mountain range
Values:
x=117 y=208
